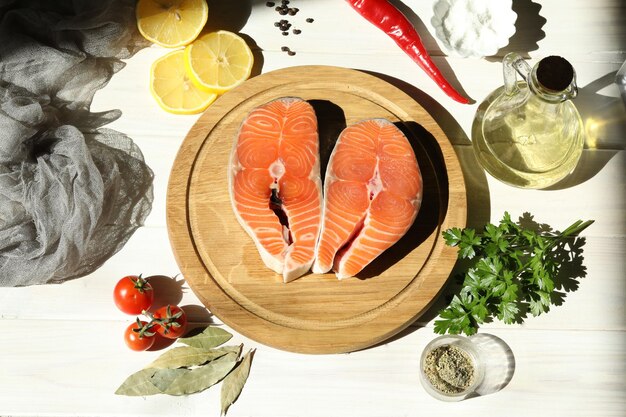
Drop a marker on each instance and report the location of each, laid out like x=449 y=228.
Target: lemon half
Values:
x=218 y=61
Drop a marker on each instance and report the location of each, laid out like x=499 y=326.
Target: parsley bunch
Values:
x=515 y=268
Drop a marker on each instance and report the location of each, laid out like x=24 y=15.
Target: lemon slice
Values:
x=171 y=23
x=218 y=61
x=173 y=90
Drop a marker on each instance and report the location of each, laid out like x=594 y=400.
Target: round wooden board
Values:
x=316 y=313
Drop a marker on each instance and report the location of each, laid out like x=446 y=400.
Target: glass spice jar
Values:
x=451 y=368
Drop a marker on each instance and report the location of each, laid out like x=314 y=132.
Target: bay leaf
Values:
x=163 y=378
x=201 y=378
x=185 y=356
x=139 y=384
x=231 y=349
x=209 y=338
x=234 y=382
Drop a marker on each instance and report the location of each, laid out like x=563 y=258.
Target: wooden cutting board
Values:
x=316 y=313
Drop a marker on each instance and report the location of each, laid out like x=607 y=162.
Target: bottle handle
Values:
x=514 y=64
x=572 y=90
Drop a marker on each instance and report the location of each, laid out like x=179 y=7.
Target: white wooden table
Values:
x=61 y=349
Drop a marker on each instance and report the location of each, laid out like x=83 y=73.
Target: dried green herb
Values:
x=200 y=378
x=516 y=267
x=209 y=338
x=234 y=382
x=164 y=377
x=139 y=384
x=186 y=356
x=449 y=369
x=189 y=369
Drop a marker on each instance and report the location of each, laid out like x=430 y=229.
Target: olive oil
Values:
x=526 y=135
x=531 y=147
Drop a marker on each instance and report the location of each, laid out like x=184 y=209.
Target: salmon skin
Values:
x=275 y=185
x=372 y=193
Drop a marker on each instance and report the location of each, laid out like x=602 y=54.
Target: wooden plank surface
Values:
x=580 y=372
x=569 y=362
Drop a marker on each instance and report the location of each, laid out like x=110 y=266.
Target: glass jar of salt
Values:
x=528 y=133
x=451 y=368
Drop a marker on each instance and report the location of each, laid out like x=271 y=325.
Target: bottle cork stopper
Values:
x=555 y=73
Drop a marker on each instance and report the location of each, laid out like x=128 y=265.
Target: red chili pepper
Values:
x=386 y=17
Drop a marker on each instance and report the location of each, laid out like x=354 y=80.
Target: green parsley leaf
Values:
x=513 y=265
x=507 y=311
x=452 y=236
x=469 y=241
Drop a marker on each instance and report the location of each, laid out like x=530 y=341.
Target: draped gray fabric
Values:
x=71 y=192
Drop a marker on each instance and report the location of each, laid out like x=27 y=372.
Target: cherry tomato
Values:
x=133 y=294
x=171 y=321
x=138 y=336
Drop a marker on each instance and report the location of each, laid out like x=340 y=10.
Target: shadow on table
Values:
x=528 y=30
x=430 y=44
x=228 y=15
x=233 y=16
x=197 y=315
x=331 y=122
x=604 y=122
x=198 y=318
x=167 y=290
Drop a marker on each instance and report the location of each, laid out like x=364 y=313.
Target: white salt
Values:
x=474 y=28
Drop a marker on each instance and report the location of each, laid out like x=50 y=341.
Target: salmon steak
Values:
x=275 y=185
x=372 y=193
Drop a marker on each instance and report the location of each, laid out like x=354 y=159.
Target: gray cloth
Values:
x=71 y=192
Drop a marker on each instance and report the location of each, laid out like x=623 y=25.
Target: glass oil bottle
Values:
x=528 y=133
